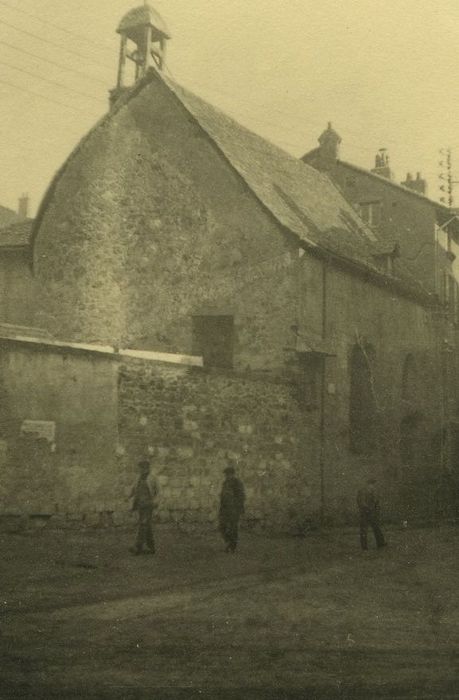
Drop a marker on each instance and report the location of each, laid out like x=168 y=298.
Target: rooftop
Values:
x=17 y=234
x=143 y=16
x=7 y=216
x=303 y=200
x=391 y=183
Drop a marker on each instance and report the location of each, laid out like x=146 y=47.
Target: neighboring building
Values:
x=17 y=287
x=172 y=228
x=8 y=216
x=17 y=302
x=425 y=232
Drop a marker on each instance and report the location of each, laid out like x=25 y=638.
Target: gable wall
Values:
x=148 y=226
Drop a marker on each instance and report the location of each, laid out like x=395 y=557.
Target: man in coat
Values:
x=144 y=495
x=368 y=505
x=232 y=500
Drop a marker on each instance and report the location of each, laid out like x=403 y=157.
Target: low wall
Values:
x=58 y=429
x=189 y=422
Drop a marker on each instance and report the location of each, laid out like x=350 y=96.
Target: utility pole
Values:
x=446 y=177
x=447 y=355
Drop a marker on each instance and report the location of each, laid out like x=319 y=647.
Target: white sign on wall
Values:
x=45 y=429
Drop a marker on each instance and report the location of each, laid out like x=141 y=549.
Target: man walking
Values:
x=144 y=495
x=368 y=504
x=232 y=500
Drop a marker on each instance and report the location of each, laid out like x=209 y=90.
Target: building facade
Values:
x=173 y=229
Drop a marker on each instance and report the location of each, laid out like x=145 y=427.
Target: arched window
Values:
x=409 y=379
x=362 y=403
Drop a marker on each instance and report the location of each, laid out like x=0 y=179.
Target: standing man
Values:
x=145 y=496
x=232 y=500
x=368 y=504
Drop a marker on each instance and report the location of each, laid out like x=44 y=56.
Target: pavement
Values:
x=282 y=618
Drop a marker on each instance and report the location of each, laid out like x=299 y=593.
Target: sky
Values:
x=384 y=72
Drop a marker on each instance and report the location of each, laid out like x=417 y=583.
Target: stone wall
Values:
x=190 y=421
x=395 y=328
x=148 y=226
x=58 y=432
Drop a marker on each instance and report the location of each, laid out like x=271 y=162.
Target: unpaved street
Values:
x=81 y=617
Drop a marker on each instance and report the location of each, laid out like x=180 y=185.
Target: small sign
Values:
x=40 y=429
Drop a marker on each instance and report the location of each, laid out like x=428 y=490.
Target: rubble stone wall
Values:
x=189 y=422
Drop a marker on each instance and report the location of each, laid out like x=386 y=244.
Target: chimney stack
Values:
x=23 y=207
x=417 y=185
x=329 y=142
x=382 y=167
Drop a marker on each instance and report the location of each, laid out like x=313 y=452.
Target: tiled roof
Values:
x=391 y=183
x=300 y=198
x=17 y=234
x=7 y=216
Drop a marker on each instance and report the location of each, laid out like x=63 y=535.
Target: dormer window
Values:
x=370 y=212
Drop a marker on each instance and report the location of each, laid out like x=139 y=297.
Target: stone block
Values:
x=92 y=519
x=185 y=452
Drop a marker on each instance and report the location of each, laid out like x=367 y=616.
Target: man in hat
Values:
x=368 y=505
x=145 y=496
x=232 y=500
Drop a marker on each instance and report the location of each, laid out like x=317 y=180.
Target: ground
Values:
x=283 y=618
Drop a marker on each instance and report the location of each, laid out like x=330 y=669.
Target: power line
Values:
x=53 y=43
x=52 y=63
x=55 y=26
x=43 y=97
x=51 y=82
x=260 y=122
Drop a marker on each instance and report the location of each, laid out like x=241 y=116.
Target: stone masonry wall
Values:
x=148 y=226
x=188 y=422
x=395 y=328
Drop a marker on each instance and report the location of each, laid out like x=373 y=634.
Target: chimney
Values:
x=418 y=185
x=329 y=142
x=23 y=207
x=382 y=164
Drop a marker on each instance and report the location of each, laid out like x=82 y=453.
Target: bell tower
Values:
x=144 y=36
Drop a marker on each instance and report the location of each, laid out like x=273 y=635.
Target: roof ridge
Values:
x=303 y=201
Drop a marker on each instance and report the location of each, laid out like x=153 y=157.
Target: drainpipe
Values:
x=322 y=398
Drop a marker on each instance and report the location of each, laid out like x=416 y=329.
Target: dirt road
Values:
x=284 y=618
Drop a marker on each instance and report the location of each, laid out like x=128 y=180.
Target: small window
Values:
x=213 y=339
x=370 y=212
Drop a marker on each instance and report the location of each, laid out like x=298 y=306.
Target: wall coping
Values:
x=104 y=350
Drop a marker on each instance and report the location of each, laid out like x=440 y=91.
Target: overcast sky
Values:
x=385 y=72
